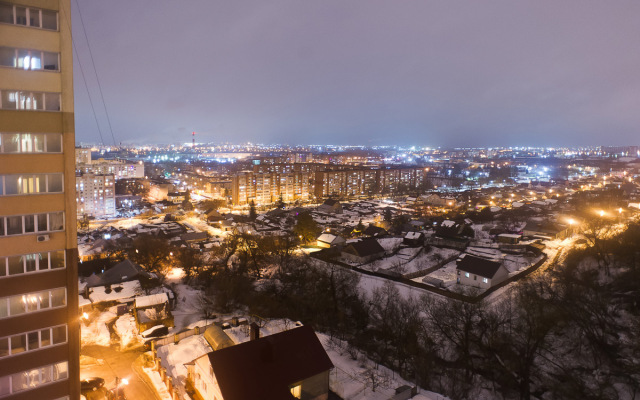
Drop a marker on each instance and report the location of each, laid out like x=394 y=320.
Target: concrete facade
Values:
x=39 y=330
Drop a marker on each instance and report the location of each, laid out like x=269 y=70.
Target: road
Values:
x=117 y=364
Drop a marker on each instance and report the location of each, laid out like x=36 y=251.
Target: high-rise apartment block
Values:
x=95 y=195
x=95 y=183
x=39 y=329
x=266 y=188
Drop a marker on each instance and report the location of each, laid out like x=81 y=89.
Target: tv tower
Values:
x=193 y=140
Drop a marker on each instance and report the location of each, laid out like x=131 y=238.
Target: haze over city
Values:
x=421 y=73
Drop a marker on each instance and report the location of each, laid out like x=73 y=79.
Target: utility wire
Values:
x=95 y=72
x=75 y=50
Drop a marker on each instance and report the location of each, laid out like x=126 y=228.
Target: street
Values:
x=117 y=364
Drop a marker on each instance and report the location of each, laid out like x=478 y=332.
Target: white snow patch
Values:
x=161 y=388
x=125 y=327
x=173 y=356
x=97 y=332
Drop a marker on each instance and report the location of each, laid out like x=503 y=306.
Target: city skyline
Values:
x=424 y=74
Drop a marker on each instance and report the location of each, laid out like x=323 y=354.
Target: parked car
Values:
x=152 y=333
x=91 y=384
x=155 y=331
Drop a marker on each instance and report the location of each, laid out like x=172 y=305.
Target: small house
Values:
x=124 y=271
x=508 y=238
x=194 y=237
x=284 y=366
x=152 y=310
x=330 y=206
x=480 y=272
x=374 y=231
x=549 y=230
x=327 y=240
x=212 y=215
x=363 y=251
x=413 y=239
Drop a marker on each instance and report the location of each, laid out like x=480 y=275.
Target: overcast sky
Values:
x=362 y=72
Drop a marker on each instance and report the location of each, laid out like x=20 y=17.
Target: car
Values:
x=155 y=331
x=91 y=384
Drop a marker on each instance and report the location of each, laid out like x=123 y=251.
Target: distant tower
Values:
x=193 y=140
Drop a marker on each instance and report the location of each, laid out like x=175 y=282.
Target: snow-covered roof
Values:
x=327 y=238
x=412 y=235
x=448 y=223
x=151 y=300
x=510 y=235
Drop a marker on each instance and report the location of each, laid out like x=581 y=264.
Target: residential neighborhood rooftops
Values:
x=269 y=365
x=121 y=272
x=151 y=300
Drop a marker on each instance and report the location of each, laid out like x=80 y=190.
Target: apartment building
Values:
x=119 y=169
x=346 y=183
x=351 y=183
x=95 y=195
x=39 y=330
x=266 y=188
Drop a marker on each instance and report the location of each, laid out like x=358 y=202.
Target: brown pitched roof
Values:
x=265 y=368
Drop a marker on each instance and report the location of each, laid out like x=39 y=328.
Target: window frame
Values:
x=40 y=340
x=5 y=136
x=38 y=306
x=31 y=94
x=51 y=370
x=36 y=231
x=28 y=11
x=3 y=184
x=4 y=263
x=41 y=53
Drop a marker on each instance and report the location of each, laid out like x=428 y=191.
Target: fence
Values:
x=426 y=271
x=175 y=338
x=433 y=289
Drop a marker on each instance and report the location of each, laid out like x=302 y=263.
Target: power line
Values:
x=66 y=19
x=104 y=104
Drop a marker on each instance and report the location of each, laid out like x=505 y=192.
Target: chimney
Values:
x=255 y=331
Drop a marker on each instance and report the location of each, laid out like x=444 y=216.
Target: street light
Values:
x=119 y=383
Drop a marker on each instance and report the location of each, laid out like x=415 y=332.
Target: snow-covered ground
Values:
x=175 y=355
x=190 y=302
x=447 y=274
x=126 y=329
x=97 y=332
x=156 y=380
x=353 y=379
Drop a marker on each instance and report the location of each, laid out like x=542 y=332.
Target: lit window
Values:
x=466 y=274
x=485 y=280
x=296 y=391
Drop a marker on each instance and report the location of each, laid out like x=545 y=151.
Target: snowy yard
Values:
x=447 y=274
x=97 y=332
x=356 y=379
